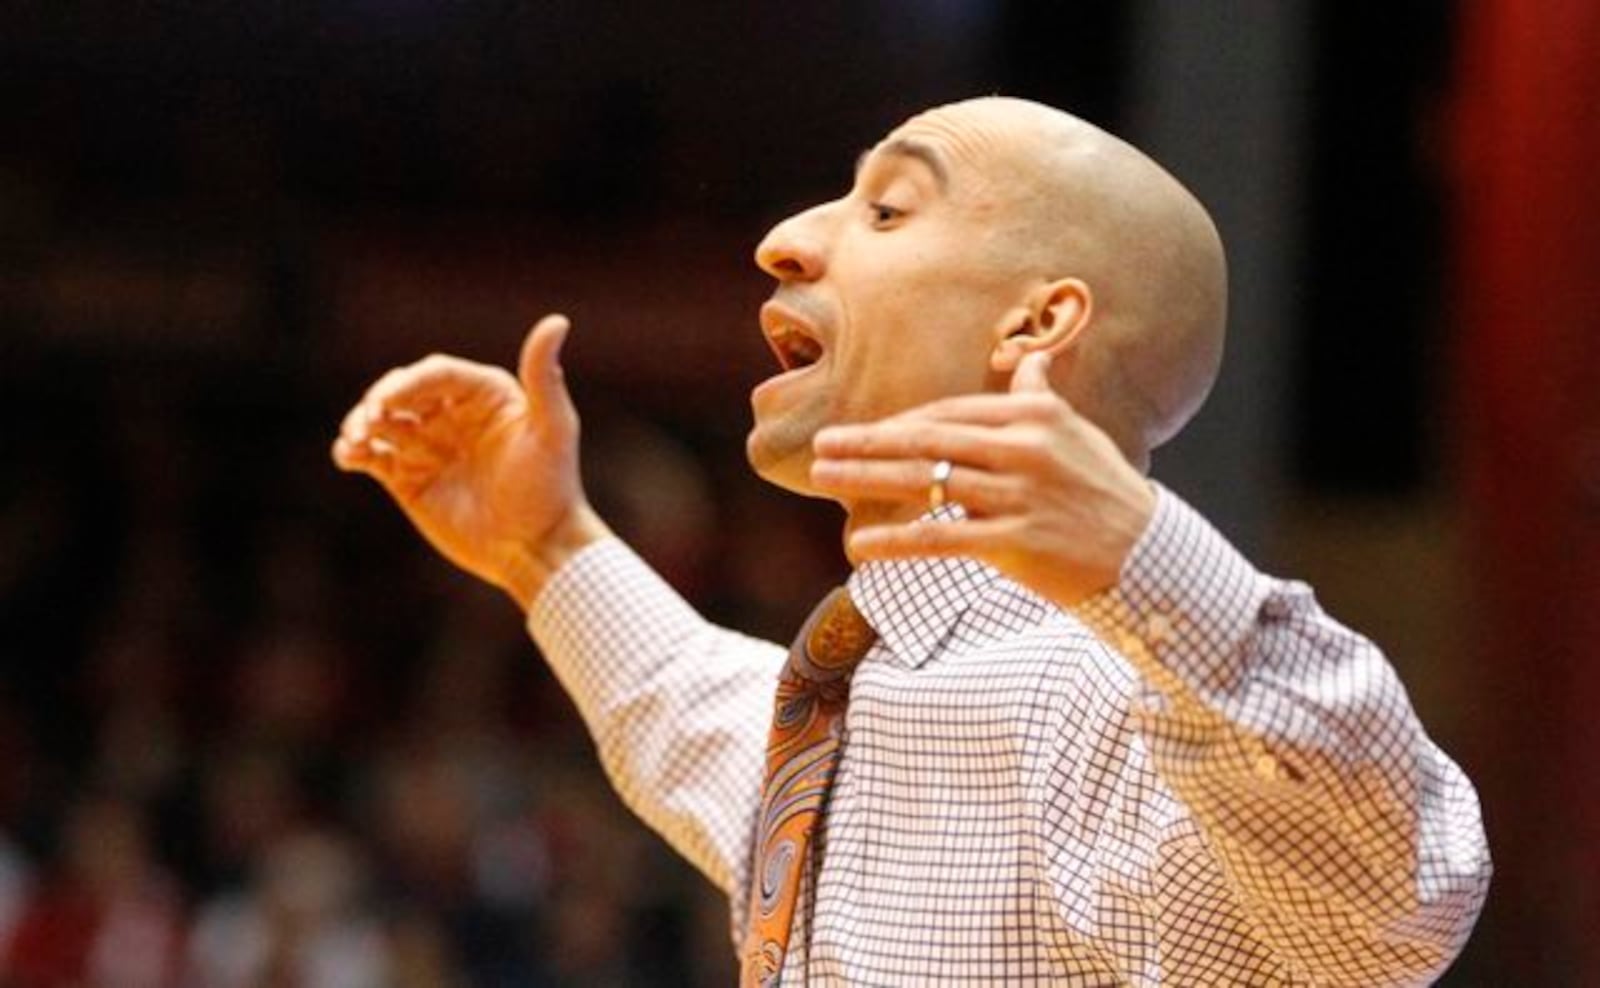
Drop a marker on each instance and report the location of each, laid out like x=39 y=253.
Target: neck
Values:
x=867 y=514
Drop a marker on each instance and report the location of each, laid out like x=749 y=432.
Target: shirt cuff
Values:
x=577 y=619
x=1186 y=606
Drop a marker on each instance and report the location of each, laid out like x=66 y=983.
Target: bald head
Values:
x=1086 y=204
x=973 y=235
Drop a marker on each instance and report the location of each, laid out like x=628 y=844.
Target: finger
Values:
x=406 y=477
x=912 y=438
x=415 y=437
x=351 y=456
x=369 y=455
x=975 y=538
x=403 y=472
x=435 y=393
x=983 y=409
x=354 y=426
x=1032 y=374
x=368 y=423
x=539 y=368
x=430 y=383
x=982 y=493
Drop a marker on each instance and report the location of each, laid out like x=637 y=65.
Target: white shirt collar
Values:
x=914 y=604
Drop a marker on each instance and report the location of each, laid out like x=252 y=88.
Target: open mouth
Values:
x=794 y=344
x=794 y=348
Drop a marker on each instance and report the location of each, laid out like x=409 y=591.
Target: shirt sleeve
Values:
x=677 y=706
x=1355 y=844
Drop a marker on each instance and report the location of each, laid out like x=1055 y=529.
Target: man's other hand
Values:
x=483 y=463
x=1050 y=501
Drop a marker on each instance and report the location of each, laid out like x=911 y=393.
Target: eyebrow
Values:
x=906 y=147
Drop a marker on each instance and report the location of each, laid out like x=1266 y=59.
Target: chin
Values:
x=789 y=469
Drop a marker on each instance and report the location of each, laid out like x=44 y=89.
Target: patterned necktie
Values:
x=802 y=756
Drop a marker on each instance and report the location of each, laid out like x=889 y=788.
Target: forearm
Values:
x=678 y=707
x=1291 y=741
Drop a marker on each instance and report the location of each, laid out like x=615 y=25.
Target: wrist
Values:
x=1142 y=513
x=526 y=567
x=1127 y=529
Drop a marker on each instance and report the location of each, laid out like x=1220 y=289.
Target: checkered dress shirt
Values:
x=1197 y=778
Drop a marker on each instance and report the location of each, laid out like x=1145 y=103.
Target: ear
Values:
x=1052 y=318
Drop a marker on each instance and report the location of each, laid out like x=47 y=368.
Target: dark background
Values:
x=244 y=712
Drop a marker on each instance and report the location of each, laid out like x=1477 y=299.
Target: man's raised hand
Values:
x=483 y=463
x=1050 y=500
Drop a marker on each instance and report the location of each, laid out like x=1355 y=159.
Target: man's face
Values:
x=895 y=294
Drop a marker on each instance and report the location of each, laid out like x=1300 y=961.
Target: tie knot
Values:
x=833 y=640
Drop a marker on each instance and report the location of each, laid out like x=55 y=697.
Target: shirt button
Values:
x=1158 y=629
x=1267 y=768
x=1148 y=700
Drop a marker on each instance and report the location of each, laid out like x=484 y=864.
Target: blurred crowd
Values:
x=256 y=734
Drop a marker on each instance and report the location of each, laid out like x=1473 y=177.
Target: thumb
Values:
x=539 y=369
x=1032 y=373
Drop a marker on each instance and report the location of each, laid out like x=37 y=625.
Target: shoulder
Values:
x=1073 y=670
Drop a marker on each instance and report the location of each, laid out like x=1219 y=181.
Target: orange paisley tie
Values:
x=802 y=756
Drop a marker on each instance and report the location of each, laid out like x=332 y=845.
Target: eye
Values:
x=884 y=215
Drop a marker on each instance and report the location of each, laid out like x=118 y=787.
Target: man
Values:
x=1088 y=744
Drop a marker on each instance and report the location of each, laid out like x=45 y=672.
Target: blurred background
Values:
x=253 y=733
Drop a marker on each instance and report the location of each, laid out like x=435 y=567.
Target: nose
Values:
x=792 y=250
